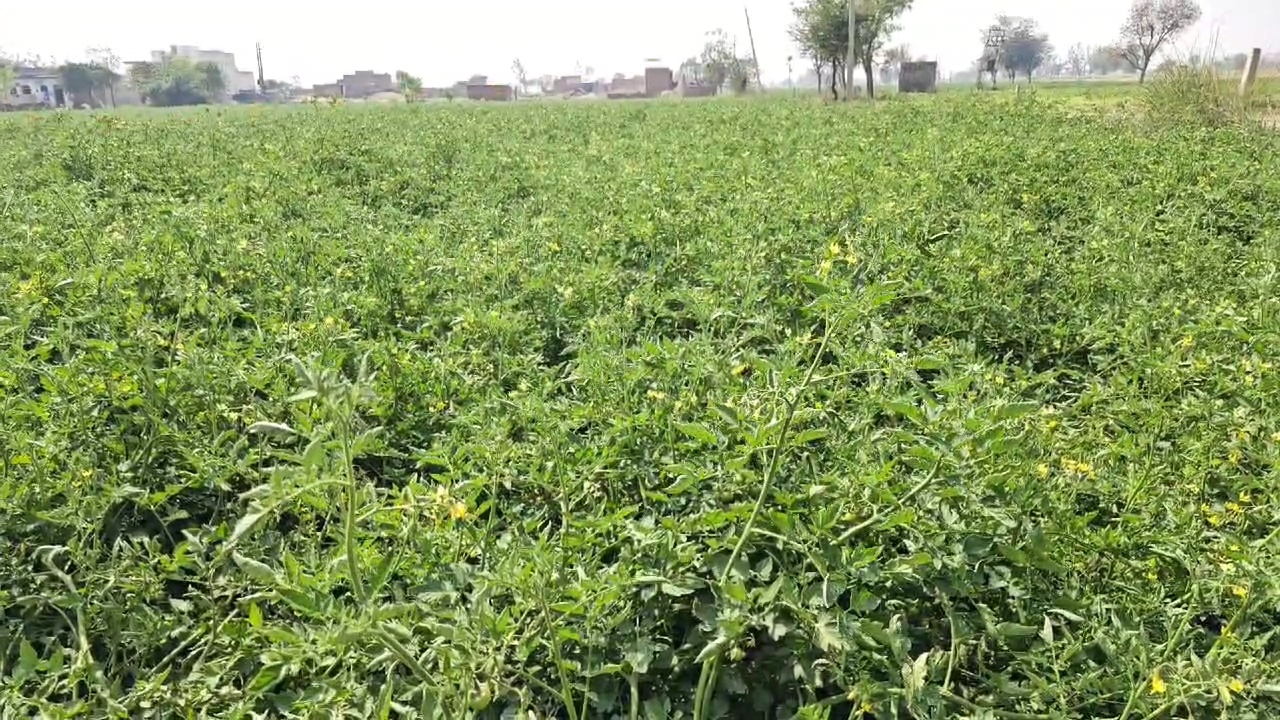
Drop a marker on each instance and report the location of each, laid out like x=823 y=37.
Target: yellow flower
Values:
x=1234 y=457
x=656 y=395
x=740 y=369
x=833 y=249
x=1051 y=425
x=1157 y=684
x=458 y=511
x=1188 y=342
x=1235 y=686
x=1246 y=497
x=1240 y=591
x=1233 y=507
x=1043 y=469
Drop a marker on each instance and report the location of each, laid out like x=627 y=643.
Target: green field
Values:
x=960 y=408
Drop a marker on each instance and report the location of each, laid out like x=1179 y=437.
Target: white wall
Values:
x=236 y=80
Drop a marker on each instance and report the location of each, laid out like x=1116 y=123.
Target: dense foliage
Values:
x=956 y=408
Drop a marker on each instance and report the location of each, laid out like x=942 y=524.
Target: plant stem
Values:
x=766 y=482
x=919 y=487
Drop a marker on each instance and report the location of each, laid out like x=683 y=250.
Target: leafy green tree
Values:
x=107 y=75
x=8 y=76
x=1026 y=48
x=89 y=83
x=409 y=85
x=821 y=30
x=721 y=64
x=177 y=81
x=79 y=80
x=1152 y=23
x=877 y=21
x=211 y=80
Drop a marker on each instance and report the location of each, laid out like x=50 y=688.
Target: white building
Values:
x=33 y=86
x=236 y=80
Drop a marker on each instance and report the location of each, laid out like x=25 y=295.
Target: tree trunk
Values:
x=835 y=94
x=871 y=86
x=1142 y=74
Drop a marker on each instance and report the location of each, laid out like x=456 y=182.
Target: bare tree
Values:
x=522 y=75
x=1150 y=25
x=1078 y=60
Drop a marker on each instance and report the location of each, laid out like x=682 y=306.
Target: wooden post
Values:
x=1250 y=71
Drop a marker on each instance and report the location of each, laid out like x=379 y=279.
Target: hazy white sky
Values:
x=447 y=40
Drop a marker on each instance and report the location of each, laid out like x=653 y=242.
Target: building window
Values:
x=26 y=89
x=44 y=89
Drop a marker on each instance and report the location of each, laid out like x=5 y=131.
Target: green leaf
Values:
x=816 y=286
x=313 y=456
x=246 y=524
x=28 y=659
x=674 y=590
x=640 y=654
x=269 y=675
x=272 y=429
x=1013 y=411
x=826 y=634
x=255 y=615
x=254 y=569
x=713 y=648
x=1016 y=630
x=811 y=435
x=698 y=432
x=1046 y=632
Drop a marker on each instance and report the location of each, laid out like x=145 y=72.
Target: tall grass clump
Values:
x=1193 y=94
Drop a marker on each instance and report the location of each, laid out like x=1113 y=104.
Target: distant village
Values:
x=34 y=85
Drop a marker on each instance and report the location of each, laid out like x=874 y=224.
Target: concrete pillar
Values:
x=1250 y=71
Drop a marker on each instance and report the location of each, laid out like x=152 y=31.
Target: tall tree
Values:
x=79 y=81
x=1152 y=23
x=106 y=66
x=177 y=81
x=820 y=29
x=877 y=20
x=1078 y=60
x=410 y=86
x=211 y=80
x=8 y=76
x=1026 y=48
x=1105 y=60
x=891 y=63
x=721 y=64
x=522 y=75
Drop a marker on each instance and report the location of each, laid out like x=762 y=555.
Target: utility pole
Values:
x=262 y=79
x=754 y=58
